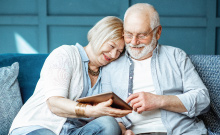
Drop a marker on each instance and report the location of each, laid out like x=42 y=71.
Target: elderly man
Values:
x=159 y=82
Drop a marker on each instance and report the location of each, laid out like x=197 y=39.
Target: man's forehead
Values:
x=137 y=28
x=138 y=15
x=137 y=22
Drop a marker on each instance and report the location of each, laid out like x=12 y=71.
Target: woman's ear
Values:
x=159 y=30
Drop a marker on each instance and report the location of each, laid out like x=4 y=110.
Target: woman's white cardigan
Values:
x=61 y=75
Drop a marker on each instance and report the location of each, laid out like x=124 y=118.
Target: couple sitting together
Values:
x=158 y=81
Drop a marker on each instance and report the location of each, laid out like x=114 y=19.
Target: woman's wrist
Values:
x=80 y=109
x=88 y=111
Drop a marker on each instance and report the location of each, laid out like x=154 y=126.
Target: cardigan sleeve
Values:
x=62 y=73
x=56 y=74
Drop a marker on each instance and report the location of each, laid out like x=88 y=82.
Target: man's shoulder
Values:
x=171 y=49
x=172 y=52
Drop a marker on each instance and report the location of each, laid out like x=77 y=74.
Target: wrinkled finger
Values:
x=134 y=101
x=122 y=112
x=137 y=105
x=140 y=110
x=118 y=112
x=131 y=97
x=107 y=103
x=117 y=115
x=120 y=115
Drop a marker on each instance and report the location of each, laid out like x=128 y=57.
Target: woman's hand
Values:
x=105 y=109
x=65 y=108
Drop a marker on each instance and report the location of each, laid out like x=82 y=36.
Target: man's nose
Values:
x=134 y=40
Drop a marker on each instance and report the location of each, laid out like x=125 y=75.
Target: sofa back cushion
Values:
x=208 y=67
x=10 y=97
x=29 y=71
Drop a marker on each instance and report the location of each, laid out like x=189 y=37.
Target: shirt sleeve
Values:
x=56 y=74
x=195 y=95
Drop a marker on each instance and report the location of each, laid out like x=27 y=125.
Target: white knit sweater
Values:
x=61 y=75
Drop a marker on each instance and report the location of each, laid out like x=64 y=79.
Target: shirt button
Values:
x=129 y=93
x=130 y=77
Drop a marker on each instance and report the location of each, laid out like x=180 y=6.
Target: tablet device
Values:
x=117 y=101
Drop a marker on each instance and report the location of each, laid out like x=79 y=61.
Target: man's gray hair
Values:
x=146 y=9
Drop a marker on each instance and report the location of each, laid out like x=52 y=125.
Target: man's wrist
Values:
x=162 y=101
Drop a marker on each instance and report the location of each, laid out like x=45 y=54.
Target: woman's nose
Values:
x=113 y=54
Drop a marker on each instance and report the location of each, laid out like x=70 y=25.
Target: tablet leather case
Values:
x=117 y=101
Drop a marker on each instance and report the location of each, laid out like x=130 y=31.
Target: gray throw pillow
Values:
x=10 y=97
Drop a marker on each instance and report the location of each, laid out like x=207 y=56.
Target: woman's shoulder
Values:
x=68 y=51
x=66 y=56
x=68 y=48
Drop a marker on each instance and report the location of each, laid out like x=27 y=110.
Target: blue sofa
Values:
x=208 y=67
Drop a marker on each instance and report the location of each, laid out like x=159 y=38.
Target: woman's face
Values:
x=110 y=51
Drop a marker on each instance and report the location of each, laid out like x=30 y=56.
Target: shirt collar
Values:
x=156 y=50
x=82 y=52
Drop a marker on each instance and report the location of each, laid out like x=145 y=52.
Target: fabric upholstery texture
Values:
x=29 y=70
x=10 y=97
x=208 y=67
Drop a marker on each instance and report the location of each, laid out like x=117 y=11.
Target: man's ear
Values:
x=159 y=30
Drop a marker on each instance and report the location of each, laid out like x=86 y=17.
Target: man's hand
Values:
x=145 y=101
x=129 y=132
x=124 y=131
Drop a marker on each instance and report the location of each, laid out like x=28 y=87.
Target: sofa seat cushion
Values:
x=10 y=97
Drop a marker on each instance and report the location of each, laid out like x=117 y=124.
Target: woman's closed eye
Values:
x=120 y=51
x=111 y=46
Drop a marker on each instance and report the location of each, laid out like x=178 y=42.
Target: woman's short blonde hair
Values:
x=109 y=28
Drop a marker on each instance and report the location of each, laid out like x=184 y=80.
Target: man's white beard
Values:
x=137 y=54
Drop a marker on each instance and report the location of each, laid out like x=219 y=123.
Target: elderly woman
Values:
x=71 y=72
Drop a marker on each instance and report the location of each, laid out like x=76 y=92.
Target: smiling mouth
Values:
x=106 y=58
x=137 y=47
